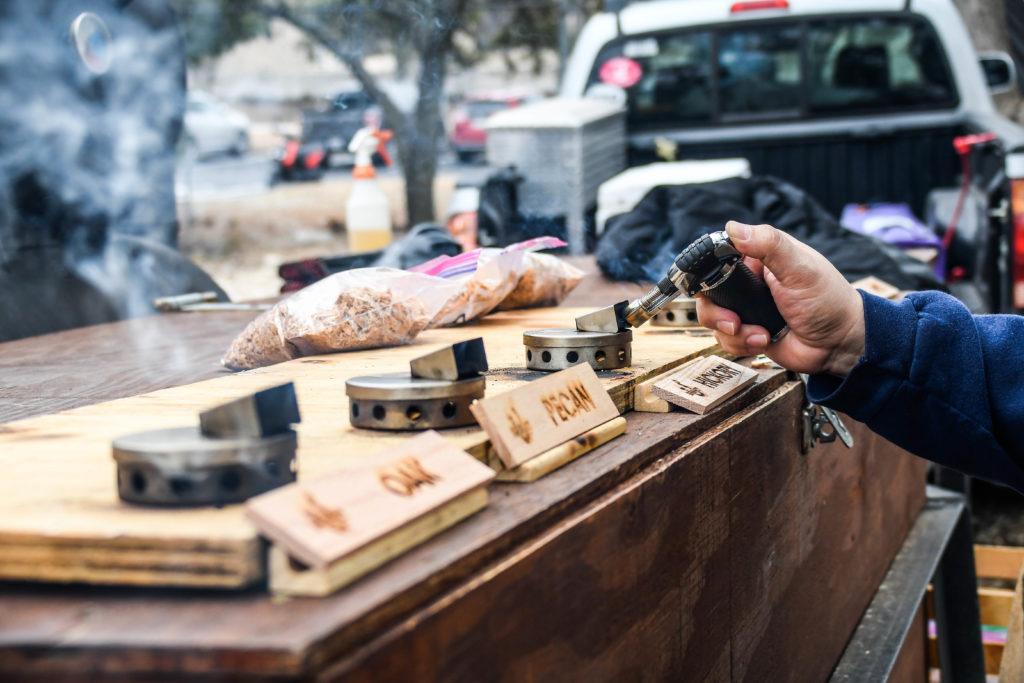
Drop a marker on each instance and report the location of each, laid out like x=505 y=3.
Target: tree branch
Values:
x=353 y=60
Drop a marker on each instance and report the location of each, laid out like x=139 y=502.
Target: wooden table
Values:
x=696 y=547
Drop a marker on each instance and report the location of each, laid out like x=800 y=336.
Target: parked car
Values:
x=853 y=100
x=468 y=137
x=213 y=127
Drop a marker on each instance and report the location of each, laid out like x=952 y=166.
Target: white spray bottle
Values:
x=367 y=213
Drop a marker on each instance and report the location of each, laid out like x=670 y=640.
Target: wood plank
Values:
x=90 y=365
x=1011 y=668
x=878 y=287
x=69 y=369
x=545 y=463
x=547 y=412
x=704 y=383
x=185 y=633
x=993 y=653
x=60 y=483
x=994 y=605
x=998 y=561
x=646 y=401
x=324 y=519
x=287 y=578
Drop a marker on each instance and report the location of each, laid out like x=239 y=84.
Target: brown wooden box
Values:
x=699 y=548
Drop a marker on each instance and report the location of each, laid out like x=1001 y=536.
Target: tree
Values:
x=429 y=33
x=351 y=29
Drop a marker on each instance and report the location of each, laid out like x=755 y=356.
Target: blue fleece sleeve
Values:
x=941 y=383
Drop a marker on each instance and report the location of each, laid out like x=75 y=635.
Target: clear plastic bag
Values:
x=355 y=309
x=482 y=290
x=546 y=281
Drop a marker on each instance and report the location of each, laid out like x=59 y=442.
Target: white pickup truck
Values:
x=852 y=100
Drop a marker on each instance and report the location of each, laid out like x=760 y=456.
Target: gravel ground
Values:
x=998 y=515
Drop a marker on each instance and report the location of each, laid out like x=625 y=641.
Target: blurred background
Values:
x=262 y=74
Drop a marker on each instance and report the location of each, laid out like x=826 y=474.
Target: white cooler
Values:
x=623 y=192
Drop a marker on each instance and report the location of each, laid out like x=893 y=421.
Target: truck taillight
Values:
x=1017 y=242
x=754 y=5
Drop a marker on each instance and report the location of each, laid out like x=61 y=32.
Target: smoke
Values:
x=89 y=123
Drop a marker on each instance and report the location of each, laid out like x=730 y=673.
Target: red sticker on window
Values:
x=621 y=71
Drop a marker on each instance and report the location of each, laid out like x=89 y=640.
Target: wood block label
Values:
x=704 y=383
x=322 y=520
x=545 y=413
x=878 y=287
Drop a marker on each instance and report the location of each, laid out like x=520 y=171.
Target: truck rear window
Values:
x=779 y=70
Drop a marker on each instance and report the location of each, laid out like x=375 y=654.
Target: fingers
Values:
x=756 y=267
x=734 y=337
x=779 y=252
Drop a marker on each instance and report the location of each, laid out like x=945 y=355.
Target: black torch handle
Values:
x=749 y=296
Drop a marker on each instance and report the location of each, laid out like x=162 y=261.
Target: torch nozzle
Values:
x=646 y=307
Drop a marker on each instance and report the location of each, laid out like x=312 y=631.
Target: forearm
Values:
x=926 y=382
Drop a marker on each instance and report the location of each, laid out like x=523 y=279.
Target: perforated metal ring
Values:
x=550 y=350
x=402 y=403
x=182 y=467
x=679 y=313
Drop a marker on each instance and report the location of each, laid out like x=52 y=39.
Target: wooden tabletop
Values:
x=88 y=365
x=90 y=632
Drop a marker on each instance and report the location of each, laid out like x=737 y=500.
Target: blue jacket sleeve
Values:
x=941 y=383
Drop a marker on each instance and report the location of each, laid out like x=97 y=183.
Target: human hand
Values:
x=824 y=312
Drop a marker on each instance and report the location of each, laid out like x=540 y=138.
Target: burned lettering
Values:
x=567 y=403
x=406 y=476
x=714 y=377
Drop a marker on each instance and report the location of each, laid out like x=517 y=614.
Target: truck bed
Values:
x=837 y=169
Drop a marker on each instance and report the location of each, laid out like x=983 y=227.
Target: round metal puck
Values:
x=399 y=402
x=558 y=349
x=183 y=467
x=681 y=312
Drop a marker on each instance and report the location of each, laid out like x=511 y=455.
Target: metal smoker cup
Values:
x=399 y=402
x=240 y=449
x=557 y=349
x=681 y=312
x=182 y=467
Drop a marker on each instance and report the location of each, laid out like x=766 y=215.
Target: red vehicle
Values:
x=468 y=136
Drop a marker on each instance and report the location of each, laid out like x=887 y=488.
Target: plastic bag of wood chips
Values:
x=484 y=277
x=489 y=276
x=545 y=281
x=355 y=309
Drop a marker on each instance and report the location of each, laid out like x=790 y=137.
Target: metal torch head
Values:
x=610 y=319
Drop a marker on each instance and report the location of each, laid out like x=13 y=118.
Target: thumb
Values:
x=780 y=253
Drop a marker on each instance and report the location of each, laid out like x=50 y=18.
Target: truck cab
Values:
x=854 y=101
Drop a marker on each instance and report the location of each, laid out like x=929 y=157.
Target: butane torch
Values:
x=712 y=266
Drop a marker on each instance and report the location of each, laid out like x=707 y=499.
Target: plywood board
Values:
x=58 y=498
x=547 y=412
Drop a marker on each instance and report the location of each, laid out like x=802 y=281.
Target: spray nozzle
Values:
x=364 y=143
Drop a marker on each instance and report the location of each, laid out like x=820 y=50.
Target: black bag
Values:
x=641 y=244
